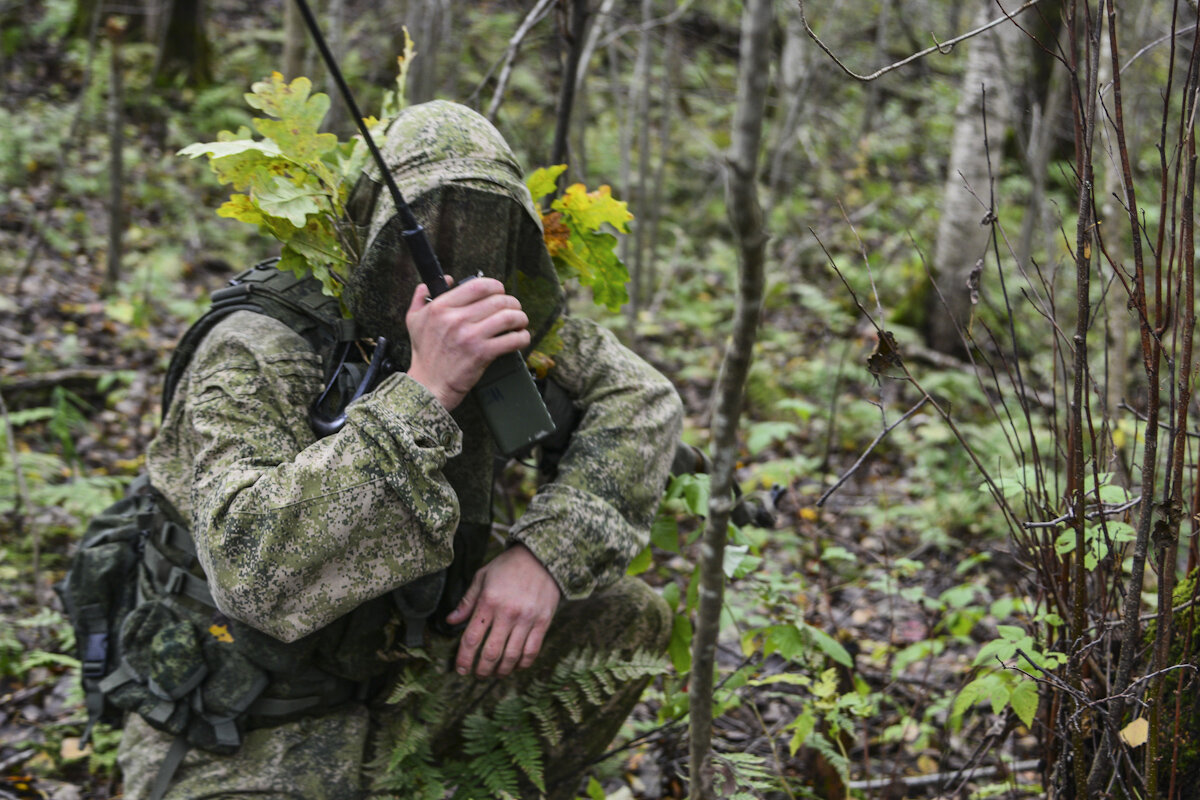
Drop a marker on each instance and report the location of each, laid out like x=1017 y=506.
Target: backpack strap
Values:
x=297 y=302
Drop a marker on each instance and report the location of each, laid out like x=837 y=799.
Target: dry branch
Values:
x=943 y=48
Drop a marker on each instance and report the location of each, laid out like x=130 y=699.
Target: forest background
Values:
x=968 y=425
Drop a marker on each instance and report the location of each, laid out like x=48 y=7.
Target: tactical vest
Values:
x=149 y=636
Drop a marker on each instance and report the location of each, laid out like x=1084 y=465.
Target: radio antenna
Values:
x=423 y=256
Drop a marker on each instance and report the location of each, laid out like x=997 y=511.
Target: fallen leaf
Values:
x=70 y=749
x=1135 y=733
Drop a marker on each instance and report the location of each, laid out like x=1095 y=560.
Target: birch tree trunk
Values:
x=963 y=230
x=746 y=219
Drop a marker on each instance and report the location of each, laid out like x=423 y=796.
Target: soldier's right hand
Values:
x=458 y=334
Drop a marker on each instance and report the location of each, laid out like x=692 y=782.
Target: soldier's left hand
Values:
x=510 y=604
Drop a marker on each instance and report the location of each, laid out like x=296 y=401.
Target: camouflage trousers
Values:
x=325 y=757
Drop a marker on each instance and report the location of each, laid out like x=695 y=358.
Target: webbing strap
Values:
x=120 y=676
x=172 y=579
x=166 y=770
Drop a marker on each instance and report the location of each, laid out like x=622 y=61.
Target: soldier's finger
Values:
x=465 y=606
x=468 y=646
x=533 y=644
x=515 y=649
x=493 y=649
x=471 y=292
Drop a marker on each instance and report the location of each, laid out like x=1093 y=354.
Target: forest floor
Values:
x=57 y=330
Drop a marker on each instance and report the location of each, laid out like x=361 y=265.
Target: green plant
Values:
x=501 y=747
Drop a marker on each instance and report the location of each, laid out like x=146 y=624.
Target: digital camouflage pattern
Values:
x=322 y=758
x=303 y=539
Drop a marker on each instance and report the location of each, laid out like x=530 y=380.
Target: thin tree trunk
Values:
x=1168 y=541
x=639 y=92
x=510 y=56
x=745 y=216
x=654 y=211
x=426 y=33
x=1085 y=114
x=576 y=25
x=338 y=117
x=116 y=149
x=598 y=22
x=183 y=52
x=644 y=210
x=294 y=40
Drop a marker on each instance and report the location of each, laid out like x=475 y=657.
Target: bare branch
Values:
x=882 y=435
x=943 y=48
x=514 y=44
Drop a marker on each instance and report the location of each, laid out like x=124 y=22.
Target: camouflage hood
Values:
x=465 y=186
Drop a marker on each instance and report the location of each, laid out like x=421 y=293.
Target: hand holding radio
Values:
x=456 y=336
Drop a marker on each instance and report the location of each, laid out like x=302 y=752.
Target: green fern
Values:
x=504 y=745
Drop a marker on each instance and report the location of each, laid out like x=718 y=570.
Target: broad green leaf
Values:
x=785 y=640
x=829 y=646
x=282 y=198
x=966 y=698
x=995 y=649
x=731 y=559
x=694 y=491
x=640 y=563
x=837 y=553
x=605 y=274
x=789 y=678
x=229 y=148
x=594 y=790
x=802 y=727
x=593 y=209
x=762 y=434
x=241 y=207
x=298 y=117
x=544 y=180
x=999 y=697
x=248 y=170
x=680 y=648
x=664 y=533
x=671 y=594
x=1112 y=493
x=1024 y=700
x=1012 y=633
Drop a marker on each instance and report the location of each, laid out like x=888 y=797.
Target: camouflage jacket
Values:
x=295 y=533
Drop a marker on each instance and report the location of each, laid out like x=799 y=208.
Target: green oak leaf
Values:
x=221 y=149
x=283 y=198
x=296 y=129
x=543 y=181
x=606 y=273
x=241 y=207
x=591 y=210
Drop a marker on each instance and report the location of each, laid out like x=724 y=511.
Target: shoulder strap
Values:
x=297 y=302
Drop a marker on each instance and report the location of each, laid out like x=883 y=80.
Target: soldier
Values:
x=309 y=545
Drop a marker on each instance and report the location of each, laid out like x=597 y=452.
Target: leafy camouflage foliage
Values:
x=575 y=235
x=292 y=183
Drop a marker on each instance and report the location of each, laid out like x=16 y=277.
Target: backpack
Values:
x=132 y=590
